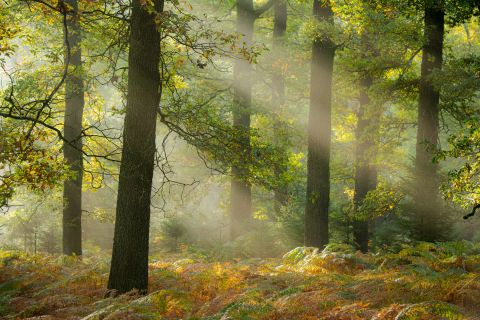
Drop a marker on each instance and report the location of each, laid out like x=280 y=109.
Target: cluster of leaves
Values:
x=463 y=186
x=378 y=203
x=27 y=162
x=7 y=32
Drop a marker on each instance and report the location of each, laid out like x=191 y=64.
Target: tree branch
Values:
x=264 y=8
x=471 y=214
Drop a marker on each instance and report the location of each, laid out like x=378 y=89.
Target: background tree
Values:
x=427 y=181
x=72 y=146
x=241 y=191
x=431 y=220
x=365 y=168
x=278 y=99
x=319 y=132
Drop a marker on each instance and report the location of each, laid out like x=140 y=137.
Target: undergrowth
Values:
x=426 y=281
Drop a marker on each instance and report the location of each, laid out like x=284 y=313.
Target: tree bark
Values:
x=427 y=182
x=241 y=193
x=278 y=98
x=129 y=267
x=319 y=134
x=74 y=104
x=365 y=168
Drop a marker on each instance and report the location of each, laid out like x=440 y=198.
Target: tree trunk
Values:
x=319 y=134
x=74 y=103
x=241 y=193
x=129 y=267
x=278 y=98
x=365 y=168
x=426 y=196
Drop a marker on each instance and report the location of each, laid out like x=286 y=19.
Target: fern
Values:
x=430 y=308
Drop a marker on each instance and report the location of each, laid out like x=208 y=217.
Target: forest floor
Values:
x=422 y=282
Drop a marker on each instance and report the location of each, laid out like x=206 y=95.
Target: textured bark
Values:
x=365 y=168
x=129 y=267
x=319 y=134
x=278 y=97
x=241 y=193
x=74 y=103
x=426 y=194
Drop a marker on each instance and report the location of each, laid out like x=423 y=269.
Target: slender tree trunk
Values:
x=241 y=193
x=426 y=193
x=319 y=134
x=74 y=103
x=278 y=97
x=129 y=267
x=365 y=168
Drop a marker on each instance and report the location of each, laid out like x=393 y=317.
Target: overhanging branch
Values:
x=264 y=8
x=471 y=214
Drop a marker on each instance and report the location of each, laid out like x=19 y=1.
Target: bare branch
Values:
x=471 y=214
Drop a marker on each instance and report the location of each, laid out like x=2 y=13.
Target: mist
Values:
x=239 y=159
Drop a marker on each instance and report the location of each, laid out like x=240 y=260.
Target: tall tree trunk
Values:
x=365 y=168
x=129 y=267
x=74 y=103
x=319 y=134
x=278 y=96
x=241 y=193
x=426 y=193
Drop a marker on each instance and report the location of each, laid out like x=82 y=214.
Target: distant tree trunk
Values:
x=365 y=168
x=426 y=193
x=74 y=103
x=319 y=134
x=35 y=243
x=241 y=193
x=278 y=96
x=129 y=267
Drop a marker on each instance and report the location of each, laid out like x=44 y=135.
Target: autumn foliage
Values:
x=425 y=281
